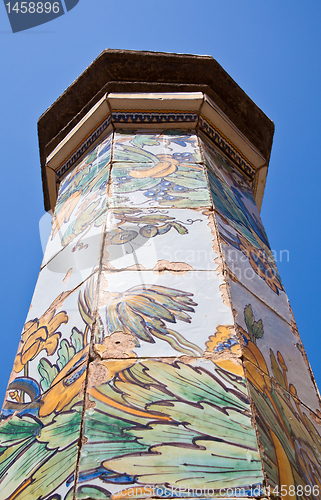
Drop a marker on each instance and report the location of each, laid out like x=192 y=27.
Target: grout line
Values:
x=91 y=354
x=234 y=278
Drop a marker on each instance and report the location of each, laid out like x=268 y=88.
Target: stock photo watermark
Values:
x=24 y=15
x=190 y=492
x=134 y=246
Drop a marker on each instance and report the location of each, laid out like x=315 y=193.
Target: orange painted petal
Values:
x=254 y=354
x=166 y=171
x=285 y=471
x=17 y=366
x=110 y=402
x=51 y=344
x=29 y=354
x=57 y=321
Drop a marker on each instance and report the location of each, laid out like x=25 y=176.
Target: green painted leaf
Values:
x=65 y=353
x=51 y=474
x=141 y=140
x=22 y=468
x=179 y=228
x=133 y=154
x=255 y=328
x=47 y=372
x=133 y=185
x=87 y=492
x=17 y=429
x=77 y=339
x=258 y=329
x=9 y=455
x=209 y=464
x=62 y=431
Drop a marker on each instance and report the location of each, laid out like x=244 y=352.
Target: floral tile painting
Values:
x=270 y=343
x=81 y=203
x=87 y=169
x=39 y=443
x=165 y=314
x=254 y=268
x=174 y=425
x=289 y=434
x=146 y=185
x=52 y=346
x=153 y=238
x=168 y=146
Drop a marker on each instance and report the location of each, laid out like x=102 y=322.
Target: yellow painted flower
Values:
x=40 y=334
x=223 y=340
x=66 y=385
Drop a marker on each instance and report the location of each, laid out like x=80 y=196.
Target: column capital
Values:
x=120 y=79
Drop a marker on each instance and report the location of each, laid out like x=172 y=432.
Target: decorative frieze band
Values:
x=153 y=117
x=83 y=147
x=154 y=111
x=224 y=144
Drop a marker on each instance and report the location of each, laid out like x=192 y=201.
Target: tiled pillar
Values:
x=160 y=357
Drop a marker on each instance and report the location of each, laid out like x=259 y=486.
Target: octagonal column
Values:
x=160 y=357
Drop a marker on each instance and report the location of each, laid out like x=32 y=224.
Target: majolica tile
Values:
x=254 y=268
x=81 y=257
x=159 y=148
x=159 y=239
x=271 y=345
x=235 y=208
x=233 y=199
x=226 y=171
x=87 y=169
x=39 y=443
x=77 y=211
x=161 y=314
x=162 y=185
x=52 y=341
x=290 y=439
x=77 y=233
x=56 y=279
x=153 y=422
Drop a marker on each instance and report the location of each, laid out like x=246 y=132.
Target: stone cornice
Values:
x=152 y=111
x=119 y=71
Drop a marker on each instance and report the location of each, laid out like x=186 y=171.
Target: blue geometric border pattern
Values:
x=83 y=147
x=221 y=142
x=157 y=117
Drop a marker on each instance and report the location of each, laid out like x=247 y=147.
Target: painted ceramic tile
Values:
x=290 y=437
x=156 y=237
x=87 y=169
x=55 y=279
x=78 y=260
x=254 y=268
x=78 y=211
x=233 y=200
x=161 y=314
x=152 y=423
x=39 y=444
x=165 y=149
x=226 y=171
x=180 y=186
x=52 y=345
x=270 y=342
x=80 y=234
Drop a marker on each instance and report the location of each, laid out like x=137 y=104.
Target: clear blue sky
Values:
x=272 y=50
